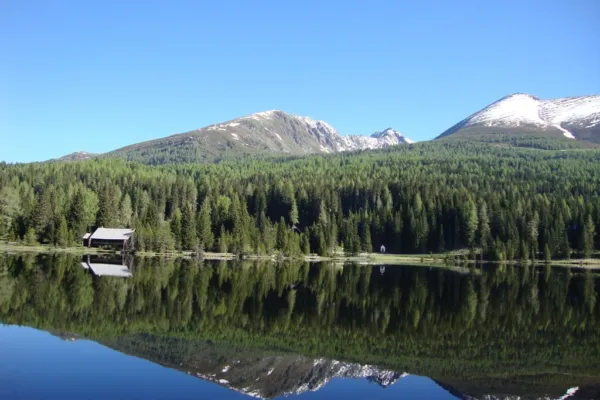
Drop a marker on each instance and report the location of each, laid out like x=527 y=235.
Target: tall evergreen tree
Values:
x=188 y=229
x=589 y=234
x=205 y=233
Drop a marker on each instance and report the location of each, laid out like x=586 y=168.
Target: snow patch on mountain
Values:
x=262 y=115
x=524 y=110
x=513 y=110
x=329 y=140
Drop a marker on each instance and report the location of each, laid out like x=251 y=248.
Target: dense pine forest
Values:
x=499 y=201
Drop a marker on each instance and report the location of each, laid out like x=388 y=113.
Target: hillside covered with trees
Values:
x=430 y=197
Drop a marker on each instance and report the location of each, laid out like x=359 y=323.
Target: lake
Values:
x=154 y=328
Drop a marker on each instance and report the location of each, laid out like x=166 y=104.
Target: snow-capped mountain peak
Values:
x=293 y=133
x=571 y=117
x=391 y=137
x=515 y=109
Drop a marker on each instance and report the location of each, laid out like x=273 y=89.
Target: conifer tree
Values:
x=61 y=237
x=589 y=233
x=188 y=229
x=176 y=228
x=205 y=233
x=126 y=211
x=484 y=233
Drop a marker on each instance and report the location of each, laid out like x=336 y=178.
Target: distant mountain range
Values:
x=270 y=132
x=278 y=133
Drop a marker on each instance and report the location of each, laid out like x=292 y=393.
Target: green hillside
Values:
x=508 y=202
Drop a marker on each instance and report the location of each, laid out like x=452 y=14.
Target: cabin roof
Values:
x=112 y=234
x=110 y=270
x=86 y=236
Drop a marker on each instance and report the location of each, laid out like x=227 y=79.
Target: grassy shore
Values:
x=456 y=258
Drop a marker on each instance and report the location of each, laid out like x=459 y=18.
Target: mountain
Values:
x=79 y=155
x=572 y=117
x=269 y=132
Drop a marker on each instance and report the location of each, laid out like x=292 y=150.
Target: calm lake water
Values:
x=91 y=328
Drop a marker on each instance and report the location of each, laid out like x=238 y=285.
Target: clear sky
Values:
x=98 y=75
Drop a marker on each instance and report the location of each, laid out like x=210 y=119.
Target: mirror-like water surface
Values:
x=156 y=328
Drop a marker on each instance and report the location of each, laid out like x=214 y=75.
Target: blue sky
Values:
x=98 y=75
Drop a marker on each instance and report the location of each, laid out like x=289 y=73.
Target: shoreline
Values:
x=433 y=260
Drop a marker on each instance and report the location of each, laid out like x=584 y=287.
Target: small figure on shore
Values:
x=382 y=249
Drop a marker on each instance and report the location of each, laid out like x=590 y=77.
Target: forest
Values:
x=403 y=318
x=501 y=202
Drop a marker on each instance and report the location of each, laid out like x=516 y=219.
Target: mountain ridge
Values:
x=275 y=132
x=271 y=132
x=569 y=117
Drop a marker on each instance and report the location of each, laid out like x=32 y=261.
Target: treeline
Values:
x=506 y=203
x=476 y=322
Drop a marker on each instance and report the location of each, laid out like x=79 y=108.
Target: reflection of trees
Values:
x=500 y=316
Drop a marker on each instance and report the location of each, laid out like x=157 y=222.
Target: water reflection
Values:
x=502 y=331
x=109 y=266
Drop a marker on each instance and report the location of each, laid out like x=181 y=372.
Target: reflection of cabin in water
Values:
x=108 y=267
x=109 y=237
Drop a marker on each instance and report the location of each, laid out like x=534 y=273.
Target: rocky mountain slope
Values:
x=574 y=118
x=269 y=132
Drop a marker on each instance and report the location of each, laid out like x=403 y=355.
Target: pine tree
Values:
x=30 y=237
x=223 y=242
x=483 y=232
x=76 y=214
x=10 y=208
x=471 y=222
x=176 y=228
x=152 y=218
x=533 y=231
x=321 y=239
x=441 y=239
x=589 y=233
x=305 y=244
x=188 y=229
x=367 y=245
x=61 y=237
x=281 y=243
x=126 y=211
x=205 y=233
x=547 y=253
x=524 y=251
x=294 y=212
x=108 y=213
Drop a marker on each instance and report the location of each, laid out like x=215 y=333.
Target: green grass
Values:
x=427 y=260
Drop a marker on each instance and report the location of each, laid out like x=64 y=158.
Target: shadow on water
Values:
x=273 y=329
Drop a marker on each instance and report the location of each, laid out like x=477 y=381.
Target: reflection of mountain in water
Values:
x=499 y=390
x=263 y=374
x=510 y=331
x=268 y=374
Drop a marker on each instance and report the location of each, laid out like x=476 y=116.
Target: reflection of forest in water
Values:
x=483 y=324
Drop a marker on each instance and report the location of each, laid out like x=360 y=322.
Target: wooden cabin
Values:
x=121 y=239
